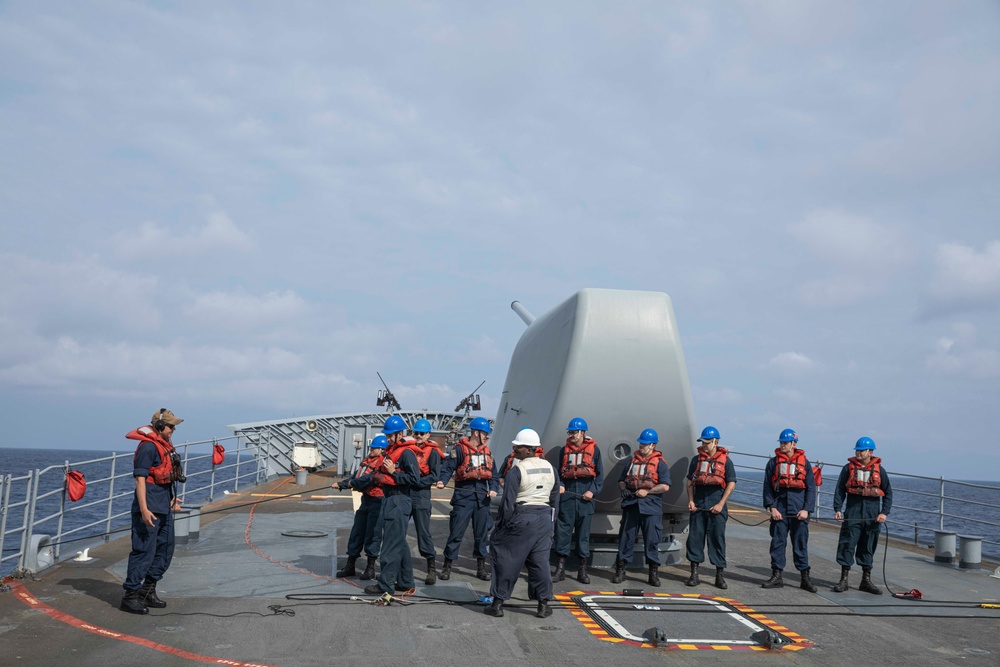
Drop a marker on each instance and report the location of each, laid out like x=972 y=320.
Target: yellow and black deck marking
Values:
x=698 y=622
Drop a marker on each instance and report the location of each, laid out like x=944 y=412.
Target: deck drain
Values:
x=977 y=651
x=435 y=627
x=305 y=533
x=5 y=628
x=171 y=628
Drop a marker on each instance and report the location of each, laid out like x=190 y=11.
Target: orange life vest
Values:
x=865 y=480
x=478 y=462
x=642 y=473
x=162 y=473
x=394 y=452
x=711 y=471
x=508 y=463
x=789 y=471
x=370 y=466
x=578 y=460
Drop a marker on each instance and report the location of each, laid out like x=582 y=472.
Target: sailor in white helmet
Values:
x=523 y=533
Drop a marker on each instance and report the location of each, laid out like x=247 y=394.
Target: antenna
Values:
x=386 y=398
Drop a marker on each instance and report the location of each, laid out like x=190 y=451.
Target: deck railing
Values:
x=921 y=504
x=35 y=509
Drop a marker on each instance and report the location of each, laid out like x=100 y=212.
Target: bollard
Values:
x=182 y=526
x=300 y=476
x=194 y=521
x=944 y=546
x=970 y=551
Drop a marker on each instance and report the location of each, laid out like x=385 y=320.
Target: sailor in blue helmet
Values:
x=523 y=536
x=789 y=494
x=365 y=532
x=711 y=479
x=864 y=483
x=475 y=471
x=642 y=483
x=432 y=456
x=399 y=474
x=581 y=477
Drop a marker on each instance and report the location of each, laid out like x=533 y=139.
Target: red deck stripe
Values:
x=33 y=602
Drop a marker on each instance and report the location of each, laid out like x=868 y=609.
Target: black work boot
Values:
x=560 y=573
x=445 y=570
x=147 y=594
x=654 y=576
x=495 y=608
x=619 y=572
x=543 y=609
x=348 y=570
x=369 y=572
x=481 y=571
x=807 y=584
x=693 y=580
x=720 y=581
x=842 y=585
x=132 y=603
x=866 y=584
x=775 y=581
x=432 y=576
x=581 y=576
x=374 y=589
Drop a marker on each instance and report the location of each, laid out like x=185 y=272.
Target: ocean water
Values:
x=915 y=506
x=86 y=521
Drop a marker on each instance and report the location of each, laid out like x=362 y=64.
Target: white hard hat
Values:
x=526 y=437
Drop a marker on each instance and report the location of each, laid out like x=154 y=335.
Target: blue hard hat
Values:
x=481 y=424
x=379 y=442
x=421 y=426
x=649 y=436
x=709 y=433
x=577 y=424
x=788 y=435
x=864 y=443
x=394 y=424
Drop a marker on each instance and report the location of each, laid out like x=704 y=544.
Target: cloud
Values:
x=788 y=394
x=724 y=396
x=965 y=278
x=239 y=309
x=960 y=355
x=792 y=364
x=218 y=233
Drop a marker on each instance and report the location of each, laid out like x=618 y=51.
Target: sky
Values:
x=244 y=210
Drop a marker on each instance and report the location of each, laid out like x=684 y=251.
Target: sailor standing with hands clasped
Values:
x=789 y=492
x=523 y=535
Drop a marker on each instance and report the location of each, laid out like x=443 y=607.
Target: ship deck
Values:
x=227 y=604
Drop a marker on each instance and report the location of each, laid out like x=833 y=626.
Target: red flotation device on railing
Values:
x=76 y=485
x=218 y=454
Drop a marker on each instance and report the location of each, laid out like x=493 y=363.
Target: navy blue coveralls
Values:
x=575 y=513
x=859 y=532
x=397 y=566
x=705 y=526
x=645 y=513
x=422 y=504
x=365 y=531
x=522 y=537
x=152 y=546
x=789 y=502
x=469 y=502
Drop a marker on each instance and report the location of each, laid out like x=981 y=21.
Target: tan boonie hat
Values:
x=165 y=416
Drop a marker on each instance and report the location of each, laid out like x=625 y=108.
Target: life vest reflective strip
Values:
x=163 y=472
x=478 y=462
x=369 y=466
x=865 y=480
x=711 y=471
x=578 y=460
x=511 y=460
x=642 y=473
x=789 y=472
x=394 y=452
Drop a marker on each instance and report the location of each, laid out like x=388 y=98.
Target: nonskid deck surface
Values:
x=227 y=604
